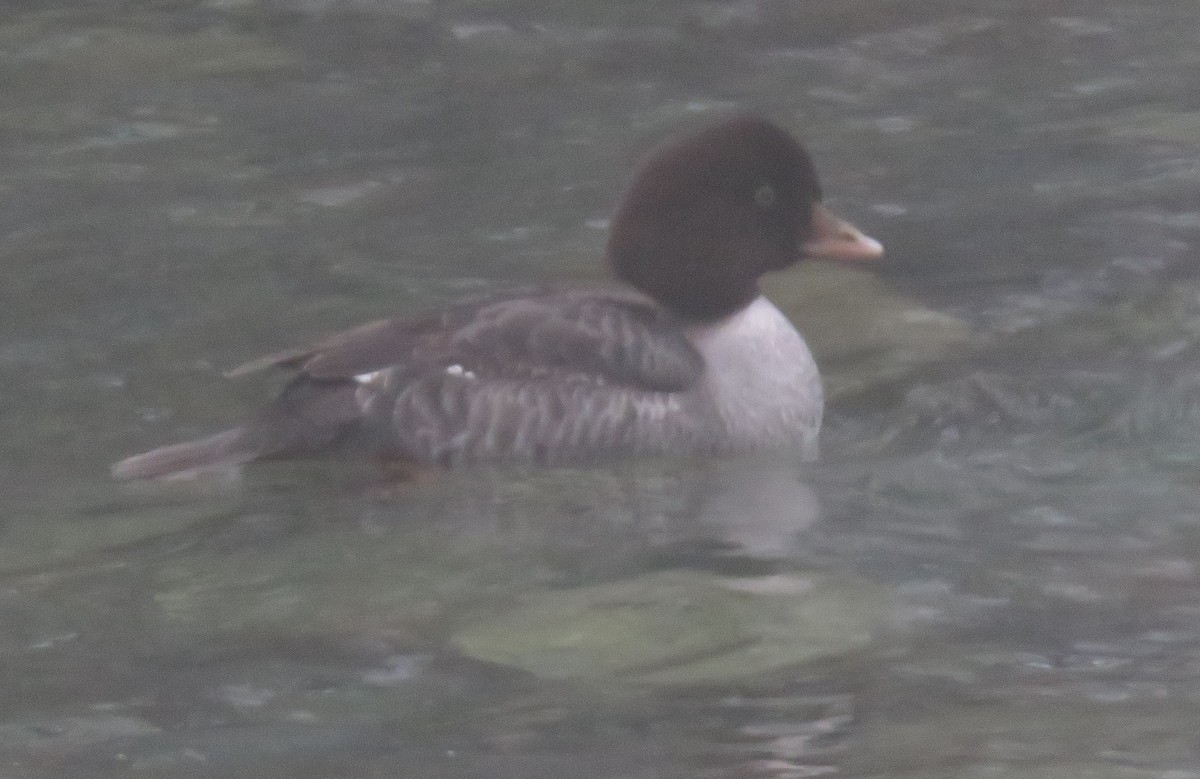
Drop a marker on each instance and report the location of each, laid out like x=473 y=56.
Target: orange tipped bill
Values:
x=836 y=239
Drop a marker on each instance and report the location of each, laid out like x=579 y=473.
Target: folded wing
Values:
x=551 y=376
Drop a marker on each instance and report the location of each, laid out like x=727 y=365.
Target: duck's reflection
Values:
x=757 y=507
x=669 y=511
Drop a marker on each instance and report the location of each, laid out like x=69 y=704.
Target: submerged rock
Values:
x=680 y=627
x=882 y=337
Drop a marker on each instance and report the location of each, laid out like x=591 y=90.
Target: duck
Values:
x=682 y=356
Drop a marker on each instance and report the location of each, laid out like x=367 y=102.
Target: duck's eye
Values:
x=765 y=196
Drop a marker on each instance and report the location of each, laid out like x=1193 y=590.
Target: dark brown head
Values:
x=708 y=214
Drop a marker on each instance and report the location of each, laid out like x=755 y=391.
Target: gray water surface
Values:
x=992 y=572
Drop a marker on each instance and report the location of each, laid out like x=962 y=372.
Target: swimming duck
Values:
x=686 y=357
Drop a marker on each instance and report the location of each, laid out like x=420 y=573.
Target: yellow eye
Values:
x=765 y=196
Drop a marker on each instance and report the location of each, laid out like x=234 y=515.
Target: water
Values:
x=992 y=572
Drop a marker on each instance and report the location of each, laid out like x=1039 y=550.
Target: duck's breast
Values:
x=761 y=382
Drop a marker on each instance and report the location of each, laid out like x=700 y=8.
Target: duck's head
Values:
x=708 y=214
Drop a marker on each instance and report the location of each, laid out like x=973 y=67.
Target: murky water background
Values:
x=993 y=572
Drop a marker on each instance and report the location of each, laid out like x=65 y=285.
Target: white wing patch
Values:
x=458 y=370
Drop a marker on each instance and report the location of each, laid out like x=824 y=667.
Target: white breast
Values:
x=762 y=381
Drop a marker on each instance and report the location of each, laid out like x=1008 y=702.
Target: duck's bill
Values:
x=836 y=239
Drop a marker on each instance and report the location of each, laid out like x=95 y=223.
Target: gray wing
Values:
x=561 y=378
x=552 y=376
x=458 y=418
x=617 y=337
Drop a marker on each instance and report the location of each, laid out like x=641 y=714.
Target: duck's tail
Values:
x=223 y=450
x=310 y=416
